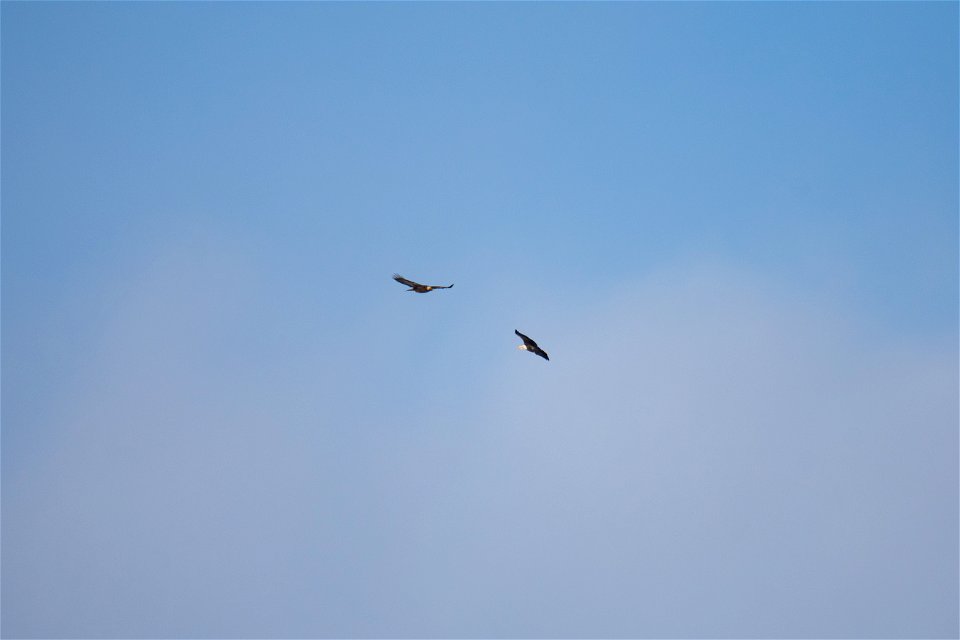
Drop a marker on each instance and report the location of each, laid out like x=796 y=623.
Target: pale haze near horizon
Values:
x=733 y=227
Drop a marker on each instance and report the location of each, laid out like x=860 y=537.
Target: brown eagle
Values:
x=531 y=346
x=414 y=286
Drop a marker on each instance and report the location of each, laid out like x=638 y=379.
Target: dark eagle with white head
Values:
x=416 y=286
x=531 y=346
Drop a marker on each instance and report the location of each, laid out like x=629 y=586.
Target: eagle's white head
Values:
x=522 y=347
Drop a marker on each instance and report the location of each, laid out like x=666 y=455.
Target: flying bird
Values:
x=531 y=346
x=414 y=286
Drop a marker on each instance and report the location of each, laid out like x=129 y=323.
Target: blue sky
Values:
x=733 y=227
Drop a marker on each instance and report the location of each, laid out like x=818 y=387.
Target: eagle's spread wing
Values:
x=527 y=341
x=402 y=280
x=540 y=352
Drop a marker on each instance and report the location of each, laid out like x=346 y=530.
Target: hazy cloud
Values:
x=705 y=455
